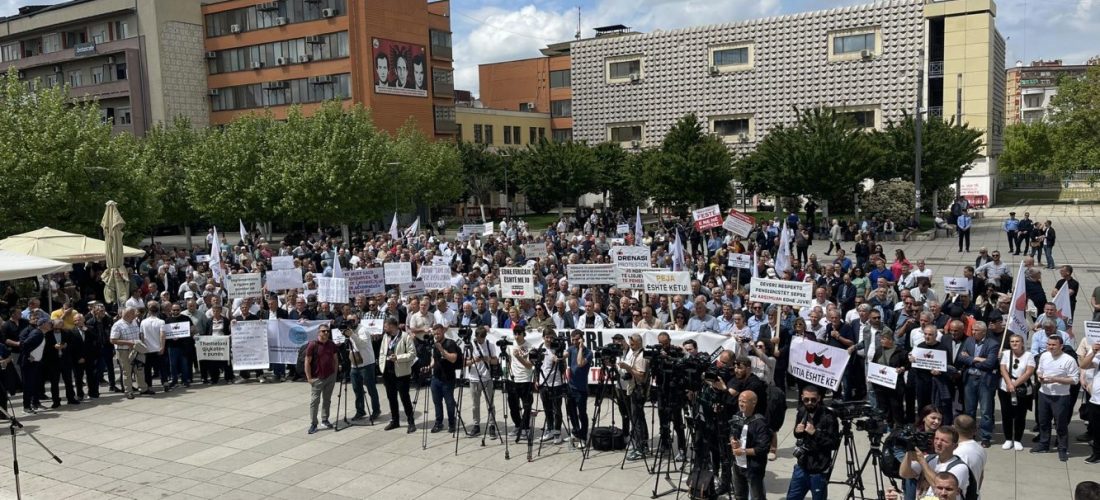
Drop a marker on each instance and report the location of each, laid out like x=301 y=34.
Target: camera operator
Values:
x=551 y=384
x=483 y=363
x=670 y=402
x=818 y=435
x=399 y=351
x=750 y=439
x=633 y=383
x=446 y=358
x=521 y=371
x=362 y=362
x=622 y=398
x=916 y=466
x=580 y=359
x=716 y=407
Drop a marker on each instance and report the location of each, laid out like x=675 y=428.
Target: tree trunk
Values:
x=935 y=203
x=187 y=233
x=825 y=213
x=345 y=232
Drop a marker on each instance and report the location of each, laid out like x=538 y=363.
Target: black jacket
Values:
x=820 y=445
x=59 y=359
x=759 y=438
x=754 y=384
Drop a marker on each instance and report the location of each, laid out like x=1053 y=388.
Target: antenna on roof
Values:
x=578 y=34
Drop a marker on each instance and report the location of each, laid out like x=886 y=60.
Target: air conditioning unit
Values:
x=304 y=58
x=315 y=40
x=530 y=106
x=280 y=61
x=280 y=21
x=234 y=28
x=214 y=92
x=257 y=64
x=635 y=78
x=866 y=54
x=211 y=55
x=321 y=80
x=268 y=6
x=328 y=12
x=713 y=70
x=635 y=144
x=313 y=1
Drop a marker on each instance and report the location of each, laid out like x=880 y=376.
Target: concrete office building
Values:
x=394 y=56
x=1029 y=89
x=142 y=59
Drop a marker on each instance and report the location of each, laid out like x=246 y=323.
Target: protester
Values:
x=399 y=352
x=446 y=358
x=321 y=370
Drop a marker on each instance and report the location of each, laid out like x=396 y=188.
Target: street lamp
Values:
x=396 y=165
x=507 y=201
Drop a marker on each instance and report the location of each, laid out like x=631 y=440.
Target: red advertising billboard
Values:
x=400 y=68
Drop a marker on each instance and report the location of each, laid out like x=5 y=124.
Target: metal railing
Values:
x=935 y=69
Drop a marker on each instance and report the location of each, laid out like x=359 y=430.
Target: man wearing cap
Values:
x=1010 y=226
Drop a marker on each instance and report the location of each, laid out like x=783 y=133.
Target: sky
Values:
x=501 y=30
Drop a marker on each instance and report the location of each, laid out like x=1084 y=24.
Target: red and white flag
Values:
x=1017 y=315
x=1064 y=308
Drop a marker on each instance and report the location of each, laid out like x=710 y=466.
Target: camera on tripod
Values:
x=558 y=344
x=535 y=356
x=503 y=343
x=465 y=333
x=608 y=354
x=713 y=373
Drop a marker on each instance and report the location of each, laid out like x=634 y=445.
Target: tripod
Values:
x=855 y=473
x=491 y=426
x=342 y=396
x=555 y=369
x=420 y=385
x=533 y=414
x=606 y=382
x=664 y=407
x=14 y=424
x=506 y=361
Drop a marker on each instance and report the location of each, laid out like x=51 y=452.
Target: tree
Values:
x=948 y=150
x=1077 y=122
x=1029 y=148
x=433 y=168
x=619 y=175
x=164 y=155
x=693 y=168
x=229 y=177
x=554 y=173
x=890 y=199
x=482 y=171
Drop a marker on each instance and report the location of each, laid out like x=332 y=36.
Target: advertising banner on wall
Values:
x=399 y=68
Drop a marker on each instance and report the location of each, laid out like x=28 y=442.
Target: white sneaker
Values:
x=1008 y=445
x=1018 y=446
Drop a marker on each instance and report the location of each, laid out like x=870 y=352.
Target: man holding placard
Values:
x=177 y=338
x=930 y=366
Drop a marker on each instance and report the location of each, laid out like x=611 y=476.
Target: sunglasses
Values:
x=810 y=400
x=1015 y=364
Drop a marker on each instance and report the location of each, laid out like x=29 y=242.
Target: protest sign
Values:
x=180 y=330
x=332 y=290
x=952 y=284
x=632 y=256
x=202 y=258
x=817 y=363
x=239 y=286
x=739 y=261
x=517 y=283
x=791 y=293
x=369 y=327
x=929 y=359
x=366 y=281
x=435 y=277
x=667 y=282
x=487 y=230
x=398 y=272
x=882 y=375
x=285 y=336
x=250 y=346
x=591 y=274
x=212 y=347
x=622 y=229
x=535 y=250
x=471 y=230
x=280 y=262
x=631 y=277
x=284 y=279
x=1092 y=331
x=738 y=223
x=707 y=217
x=413 y=288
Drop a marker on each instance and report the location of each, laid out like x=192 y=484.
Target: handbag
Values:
x=1036 y=244
x=1023 y=391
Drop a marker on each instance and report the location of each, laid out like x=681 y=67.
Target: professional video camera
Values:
x=558 y=345
x=503 y=343
x=909 y=438
x=713 y=373
x=465 y=333
x=868 y=419
x=535 y=356
x=608 y=354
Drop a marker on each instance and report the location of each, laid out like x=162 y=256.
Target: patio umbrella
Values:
x=16 y=265
x=116 y=284
x=59 y=245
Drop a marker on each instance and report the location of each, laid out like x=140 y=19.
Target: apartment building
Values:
x=1029 y=89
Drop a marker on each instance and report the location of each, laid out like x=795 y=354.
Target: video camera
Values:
x=713 y=372
x=557 y=345
x=608 y=354
x=535 y=356
x=503 y=343
x=909 y=438
x=685 y=372
x=465 y=333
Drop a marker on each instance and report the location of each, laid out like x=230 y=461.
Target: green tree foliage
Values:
x=948 y=151
x=554 y=173
x=1077 y=122
x=431 y=171
x=230 y=176
x=891 y=199
x=164 y=156
x=692 y=168
x=619 y=175
x=1029 y=148
x=61 y=164
x=482 y=171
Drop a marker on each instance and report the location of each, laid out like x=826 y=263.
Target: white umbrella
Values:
x=16 y=265
x=62 y=246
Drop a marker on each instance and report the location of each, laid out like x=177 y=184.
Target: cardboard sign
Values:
x=250 y=345
x=817 y=363
x=180 y=330
x=240 y=286
x=953 y=284
x=929 y=359
x=591 y=274
x=487 y=229
x=332 y=290
x=622 y=229
x=212 y=347
x=632 y=256
x=413 y=288
x=285 y=279
x=366 y=281
x=707 y=217
x=738 y=223
x=535 y=250
x=631 y=277
x=280 y=262
x=667 y=282
x=517 y=283
x=398 y=273
x=1092 y=331
x=791 y=293
x=882 y=375
x=435 y=277
x=739 y=261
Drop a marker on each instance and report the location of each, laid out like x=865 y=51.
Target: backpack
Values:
x=971 y=492
x=701 y=484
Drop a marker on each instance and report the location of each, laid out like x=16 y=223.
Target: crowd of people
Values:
x=878 y=308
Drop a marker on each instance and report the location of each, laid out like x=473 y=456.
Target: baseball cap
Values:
x=617 y=336
x=189 y=295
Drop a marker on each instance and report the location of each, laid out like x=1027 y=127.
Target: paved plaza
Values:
x=249 y=440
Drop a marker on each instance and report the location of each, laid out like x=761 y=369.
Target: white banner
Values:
x=707 y=217
x=280 y=262
x=179 y=330
x=739 y=261
x=667 y=282
x=535 y=250
x=413 y=288
x=791 y=293
x=517 y=283
x=332 y=290
x=284 y=279
x=591 y=274
x=286 y=336
x=929 y=359
x=738 y=223
x=630 y=256
x=1092 y=332
x=882 y=375
x=631 y=277
x=953 y=284
x=398 y=273
x=470 y=230
x=710 y=343
x=250 y=345
x=239 y=286
x=212 y=347
x=435 y=277
x=817 y=363
x=622 y=229
x=366 y=281
x=487 y=230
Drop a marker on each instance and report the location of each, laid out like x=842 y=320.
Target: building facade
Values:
x=1029 y=89
x=142 y=59
x=393 y=56
x=500 y=129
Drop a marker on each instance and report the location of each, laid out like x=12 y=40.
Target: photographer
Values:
x=399 y=351
x=817 y=435
x=580 y=359
x=362 y=363
x=521 y=371
x=916 y=466
x=670 y=401
x=482 y=365
x=633 y=383
x=446 y=358
x=551 y=384
x=750 y=439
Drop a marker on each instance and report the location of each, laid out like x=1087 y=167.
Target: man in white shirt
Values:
x=152 y=334
x=520 y=371
x=1091 y=381
x=1057 y=371
x=972 y=452
x=124 y=334
x=480 y=363
x=363 y=367
x=916 y=466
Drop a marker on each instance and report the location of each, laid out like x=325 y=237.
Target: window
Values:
x=532 y=135
x=122 y=116
x=561 y=109
x=488 y=134
x=330 y=46
x=443 y=82
x=120 y=71
x=300 y=90
x=441 y=44
x=53 y=79
x=252 y=18
x=850 y=44
x=97 y=75
x=478 y=137
x=516 y=139
x=542 y=132
x=732 y=56
x=444 y=119
x=1033 y=100
x=76 y=78
x=864 y=117
x=527 y=106
x=10 y=52
x=561 y=134
x=622 y=69
x=560 y=79
x=51 y=43
x=507 y=134
x=121 y=29
x=733 y=128
x=624 y=133
x=99 y=33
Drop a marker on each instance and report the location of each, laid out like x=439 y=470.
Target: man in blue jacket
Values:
x=979 y=356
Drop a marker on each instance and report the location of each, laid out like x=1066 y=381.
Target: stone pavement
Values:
x=249 y=440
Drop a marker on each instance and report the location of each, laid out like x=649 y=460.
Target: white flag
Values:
x=336 y=271
x=638 y=234
x=1017 y=316
x=216 y=259
x=413 y=229
x=244 y=232
x=755 y=270
x=783 y=255
x=677 y=251
x=1064 y=308
x=393 y=227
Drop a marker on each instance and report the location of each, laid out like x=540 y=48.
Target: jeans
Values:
x=1050 y=258
x=576 y=406
x=360 y=376
x=477 y=395
x=979 y=394
x=803 y=482
x=1058 y=408
x=443 y=391
x=748 y=482
x=320 y=392
x=181 y=366
x=520 y=393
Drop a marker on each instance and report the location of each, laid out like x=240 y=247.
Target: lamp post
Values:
x=918 y=127
x=396 y=165
x=507 y=201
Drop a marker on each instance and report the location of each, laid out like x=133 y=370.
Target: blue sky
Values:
x=500 y=30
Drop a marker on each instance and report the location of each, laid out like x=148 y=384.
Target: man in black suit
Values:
x=933 y=386
x=85 y=348
x=57 y=362
x=29 y=340
x=99 y=324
